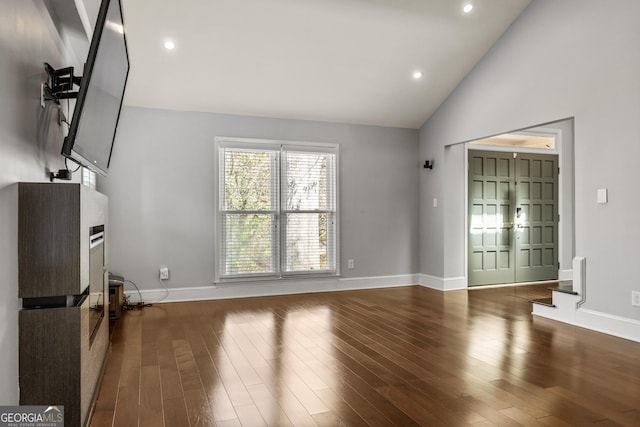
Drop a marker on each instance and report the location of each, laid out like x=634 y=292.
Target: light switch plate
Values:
x=603 y=196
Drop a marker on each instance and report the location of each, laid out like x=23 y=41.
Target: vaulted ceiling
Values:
x=349 y=61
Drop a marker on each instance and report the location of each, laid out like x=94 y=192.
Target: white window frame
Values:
x=280 y=146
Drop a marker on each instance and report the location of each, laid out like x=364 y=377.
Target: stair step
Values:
x=564 y=291
x=566 y=287
x=548 y=302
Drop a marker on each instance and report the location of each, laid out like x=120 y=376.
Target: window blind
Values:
x=277 y=210
x=308 y=208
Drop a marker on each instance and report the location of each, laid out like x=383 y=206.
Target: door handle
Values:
x=518 y=218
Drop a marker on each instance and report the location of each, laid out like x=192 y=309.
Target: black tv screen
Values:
x=95 y=117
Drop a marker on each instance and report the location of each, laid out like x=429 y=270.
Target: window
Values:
x=277 y=209
x=89 y=178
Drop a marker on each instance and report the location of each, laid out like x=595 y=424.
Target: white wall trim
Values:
x=432 y=282
x=269 y=288
x=443 y=283
x=378 y=282
x=455 y=283
x=580 y=278
x=611 y=324
x=598 y=321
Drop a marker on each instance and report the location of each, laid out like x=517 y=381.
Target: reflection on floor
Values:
x=400 y=356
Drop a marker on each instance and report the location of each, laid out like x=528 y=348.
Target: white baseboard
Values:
x=354 y=283
x=455 y=283
x=268 y=288
x=611 y=324
x=443 y=283
x=618 y=326
x=432 y=282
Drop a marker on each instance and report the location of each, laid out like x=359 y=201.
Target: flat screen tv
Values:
x=97 y=110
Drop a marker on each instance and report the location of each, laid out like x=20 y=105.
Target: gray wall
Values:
x=160 y=188
x=454 y=212
x=30 y=142
x=560 y=59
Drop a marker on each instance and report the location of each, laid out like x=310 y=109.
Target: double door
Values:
x=513 y=217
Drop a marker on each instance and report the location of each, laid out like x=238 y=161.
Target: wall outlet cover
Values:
x=635 y=298
x=164 y=273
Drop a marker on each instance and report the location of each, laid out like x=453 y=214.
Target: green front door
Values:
x=491 y=201
x=536 y=217
x=513 y=221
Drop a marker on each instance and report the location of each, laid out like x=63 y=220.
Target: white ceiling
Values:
x=348 y=61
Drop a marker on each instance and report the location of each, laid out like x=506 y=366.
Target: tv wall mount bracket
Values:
x=59 y=84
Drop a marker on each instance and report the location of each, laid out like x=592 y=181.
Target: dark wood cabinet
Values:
x=53 y=244
x=61 y=356
x=58 y=363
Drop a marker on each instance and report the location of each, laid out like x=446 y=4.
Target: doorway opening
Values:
x=537 y=217
x=457 y=220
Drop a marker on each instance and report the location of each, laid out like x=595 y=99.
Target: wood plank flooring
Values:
x=385 y=357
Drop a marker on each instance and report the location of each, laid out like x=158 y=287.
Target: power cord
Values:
x=67 y=166
x=128 y=305
x=165 y=288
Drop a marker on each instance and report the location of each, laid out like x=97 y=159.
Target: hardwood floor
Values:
x=401 y=356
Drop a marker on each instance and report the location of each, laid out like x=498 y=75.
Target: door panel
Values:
x=536 y=231
x=491 y=198
x=513 y=228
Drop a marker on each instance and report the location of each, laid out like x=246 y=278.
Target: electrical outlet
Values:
x=635 y=298
x=164 y=273
x=351 y=264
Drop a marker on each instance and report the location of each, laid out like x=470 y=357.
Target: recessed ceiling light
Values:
x=169 y=45
x=417 y=75
x=467 y=8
